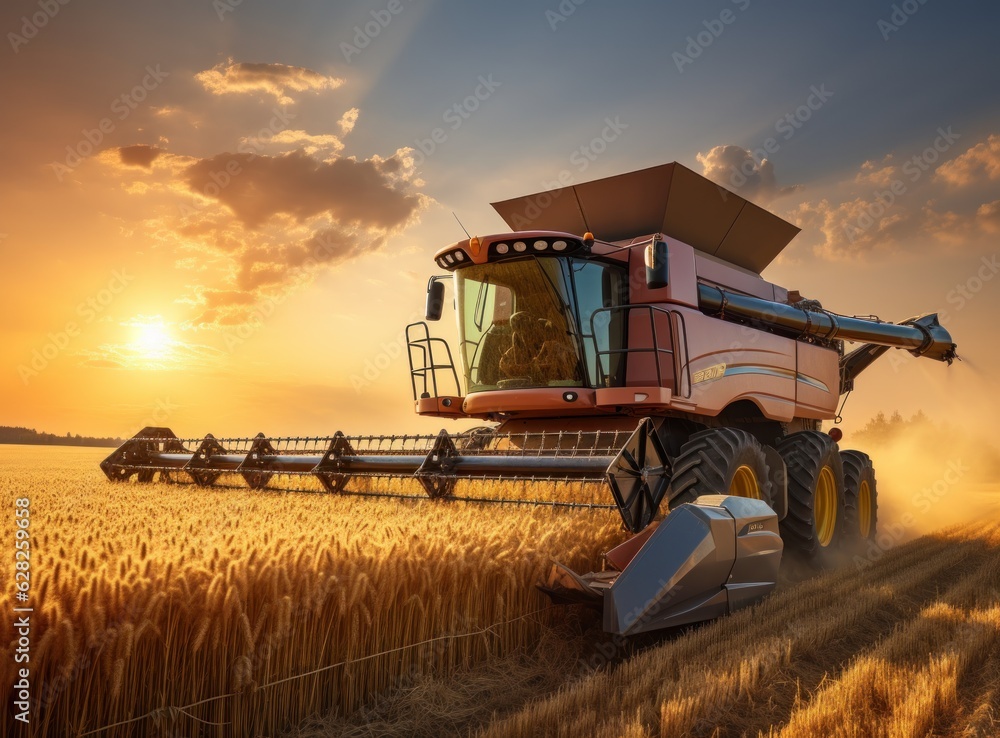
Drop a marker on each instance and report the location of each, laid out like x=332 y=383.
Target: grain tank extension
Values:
x=620 y=349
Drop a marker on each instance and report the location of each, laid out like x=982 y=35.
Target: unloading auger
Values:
x=653 y=365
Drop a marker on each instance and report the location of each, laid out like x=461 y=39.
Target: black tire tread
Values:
x=858 y=465
x=805 y=453
x=704 y=464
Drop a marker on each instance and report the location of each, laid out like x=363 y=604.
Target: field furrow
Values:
x=909 y=685
x=716 y=679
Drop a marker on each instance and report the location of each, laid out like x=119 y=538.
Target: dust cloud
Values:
x=930 y=475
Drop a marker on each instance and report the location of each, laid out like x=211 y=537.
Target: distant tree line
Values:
x=32 y=437
x=964 y=439
x=883 y=429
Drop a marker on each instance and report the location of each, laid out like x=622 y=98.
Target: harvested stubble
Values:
x=903 y=647
x=153 y=596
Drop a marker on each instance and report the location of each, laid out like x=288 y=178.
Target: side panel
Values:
x=726 y=275
x=730 y=362
x=818 y=385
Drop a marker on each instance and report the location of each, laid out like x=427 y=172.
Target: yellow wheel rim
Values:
x=865 y=509
x=825 y=506
x=744 y=483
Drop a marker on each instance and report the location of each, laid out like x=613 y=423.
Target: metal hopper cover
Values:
x=669 y=199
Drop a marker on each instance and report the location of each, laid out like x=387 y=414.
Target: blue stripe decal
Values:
x=775 y=372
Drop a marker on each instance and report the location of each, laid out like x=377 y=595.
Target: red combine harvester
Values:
x=651 y=360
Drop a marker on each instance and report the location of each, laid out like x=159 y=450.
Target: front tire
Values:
x=815 y=525
x=720 y=461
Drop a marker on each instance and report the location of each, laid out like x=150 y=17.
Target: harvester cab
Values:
x=650 y=361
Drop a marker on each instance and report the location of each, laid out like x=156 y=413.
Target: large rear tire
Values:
x=720 y=461
x=815 y=525
x=860 y=495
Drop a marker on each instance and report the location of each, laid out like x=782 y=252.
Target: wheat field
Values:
x=166 y=595
x=153 y=598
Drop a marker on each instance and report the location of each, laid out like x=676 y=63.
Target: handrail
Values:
x=680 y=366
x=428 y=367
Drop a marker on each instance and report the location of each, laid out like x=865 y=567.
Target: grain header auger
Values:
x=653 y=362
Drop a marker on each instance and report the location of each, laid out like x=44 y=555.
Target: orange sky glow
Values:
x=233 y=242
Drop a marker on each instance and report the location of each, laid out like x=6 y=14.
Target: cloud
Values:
x=250 y=227
x=736 y=168
x=348 y=120
x=263 y=266
x=945 y=226
x=175 y=355
x=180 y=357
x=295 y=184
x=212 y=299
x=99 y=363
x=846 y=229
x=886 y=207
x=139 y=155
x=989 y=216
x=878 y=173
x=277 y=80
x=325 y=144
x=981 y=163
x=247 y=225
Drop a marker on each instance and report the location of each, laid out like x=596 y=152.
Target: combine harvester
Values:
x=650 y=359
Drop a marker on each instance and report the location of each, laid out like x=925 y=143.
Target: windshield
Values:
x=521 y=324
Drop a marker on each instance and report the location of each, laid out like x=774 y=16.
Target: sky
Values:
x=218 y=216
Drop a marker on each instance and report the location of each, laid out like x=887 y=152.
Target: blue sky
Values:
x=940 y=68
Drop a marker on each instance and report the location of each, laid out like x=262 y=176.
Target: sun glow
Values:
x=151 y=340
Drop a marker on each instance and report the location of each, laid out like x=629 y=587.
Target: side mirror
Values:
x=435 y=299
x=657 y=269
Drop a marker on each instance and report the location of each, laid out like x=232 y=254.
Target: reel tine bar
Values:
x=637 y=470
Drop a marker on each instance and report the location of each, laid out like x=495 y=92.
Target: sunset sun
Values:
x=151 y=339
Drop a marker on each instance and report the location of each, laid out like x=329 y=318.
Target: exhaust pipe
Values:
x=706 y=559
